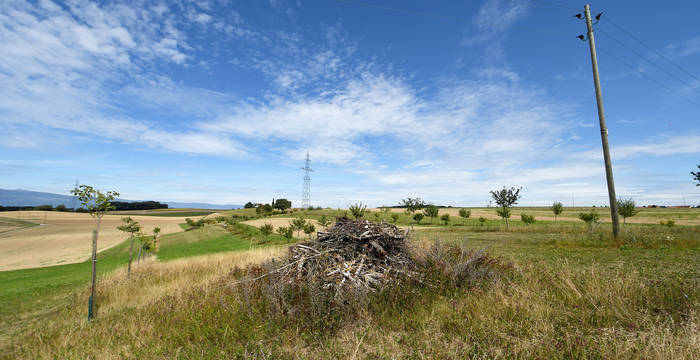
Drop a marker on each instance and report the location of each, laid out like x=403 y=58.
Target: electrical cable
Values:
x=607 y=18
x=405 y=11
x=647 y=76
x=642 y=56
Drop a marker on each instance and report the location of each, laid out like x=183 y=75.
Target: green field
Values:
x=564 y=293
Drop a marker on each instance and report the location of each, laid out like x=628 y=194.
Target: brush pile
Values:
x=358 y=254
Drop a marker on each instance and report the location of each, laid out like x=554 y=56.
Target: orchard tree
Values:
x=412 y=205
x=445 y=218
x=590 y=218
x=626 y=208
x=464 y=214
x=325 y=221
x=266 y=230
x=527 y=219
x=286 y=231
x=358 y=210
x=417 y=217
x=394 y=218
x=131 y=227
x=298 y=224
x=505 y=199
x=309 y=228
x=696 y=175
x=557 y=208
x=97 y=204
x=431 y=211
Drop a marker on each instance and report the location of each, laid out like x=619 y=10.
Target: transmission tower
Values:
x=306 y=194
x=74 y=200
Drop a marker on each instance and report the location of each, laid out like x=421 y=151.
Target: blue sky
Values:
x=219 y=101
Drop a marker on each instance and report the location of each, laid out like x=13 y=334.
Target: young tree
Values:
x=394 y=218
x=266 y=230
x=309 y=229
x=626 y=208
x=445 y=218
x=482 y=220
x=412 y=205
x=376 y=216
x=417 y=217
x=132 y=227
x=325 y=221
x=505 y=199
x=431 y=211
x=358 y=210
x=557 y=208
x=298 y=224
x=97 y=203
x=590 y=218
x=464 y=214
x=385 y=212
x=696 y=176
x=527 y=219
x=286 y=231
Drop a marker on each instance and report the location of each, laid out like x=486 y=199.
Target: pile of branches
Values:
x=357 y=254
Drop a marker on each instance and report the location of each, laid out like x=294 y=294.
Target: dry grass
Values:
x=66 y=237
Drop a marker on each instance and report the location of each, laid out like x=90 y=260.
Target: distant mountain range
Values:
x=35 y=198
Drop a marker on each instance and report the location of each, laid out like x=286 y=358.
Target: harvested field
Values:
x=66 y=237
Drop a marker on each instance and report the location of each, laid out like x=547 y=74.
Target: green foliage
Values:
x=266 y=230
x=61 y=207
x=505 y=199
x=286 y=231
x=376 y=216
x=504 y=213
x=309 y=228
x=482 y=220
x=194 y=224
x=431 y=211
x=626 y=208
x=417 y=217
x=557 y=208
x=44 y=208
x=464 y=214
x=298 y=224
x=263 y=209
x=696 y=175
x=248 y=205
x=413 y=204
x=358 y=210
x=325 y=221
x=445 y=218
x=590 y=218
x=282 y=204
x=394 y=218
x=669 y=223
x=95 y=201
x=527 y=219
x=130 y=226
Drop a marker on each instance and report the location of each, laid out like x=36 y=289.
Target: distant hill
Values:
x=36 y=198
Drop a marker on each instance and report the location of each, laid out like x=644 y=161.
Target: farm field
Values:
x=564 y=293
x=66 y=237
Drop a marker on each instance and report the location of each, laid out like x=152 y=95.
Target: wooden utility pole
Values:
x=603 y=128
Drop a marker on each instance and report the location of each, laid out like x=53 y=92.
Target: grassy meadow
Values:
x=554 y=291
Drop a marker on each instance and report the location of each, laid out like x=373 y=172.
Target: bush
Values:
x=527 y=219
x=670 y=223
x=417 y=217
x=358 y=210
x=394 y=218
x=590 y=218
x=445 y=218
x=482 y=220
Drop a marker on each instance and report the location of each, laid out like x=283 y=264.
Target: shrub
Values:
x=417 y=217
x=358 y=210
x=590 y=218
x=527 y=219
x=670 y=223
x=394 y=218
x=445 y=218
x=482 y=220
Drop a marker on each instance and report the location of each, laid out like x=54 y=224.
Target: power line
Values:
x=607 y=18
x=648 y=77
x=641 y=56
x=556 y=5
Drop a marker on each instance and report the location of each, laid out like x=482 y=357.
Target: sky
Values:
x=219 y=101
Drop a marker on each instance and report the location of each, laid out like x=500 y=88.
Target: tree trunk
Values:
x=131 y=256
x=506 y=223
x=95 y=233
x=140 y=249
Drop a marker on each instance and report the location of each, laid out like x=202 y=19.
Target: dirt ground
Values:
x=67 y=237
